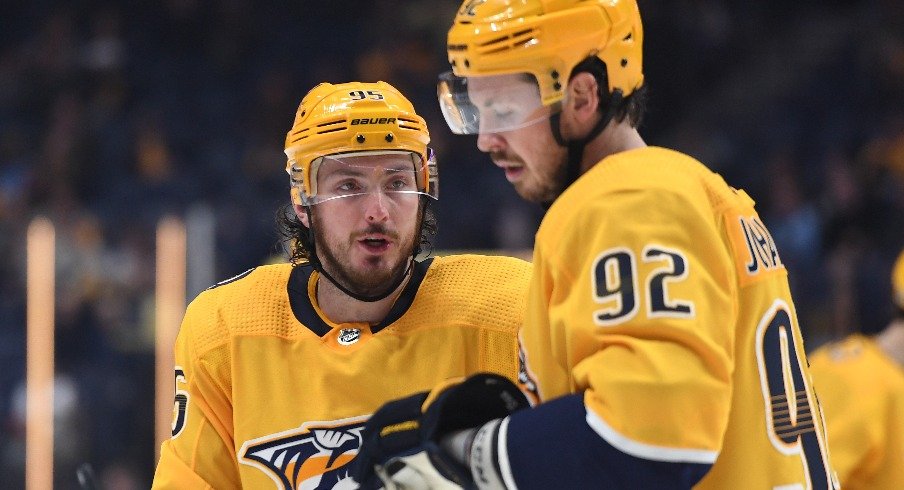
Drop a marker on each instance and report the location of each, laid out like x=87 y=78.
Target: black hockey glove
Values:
x=401 y=440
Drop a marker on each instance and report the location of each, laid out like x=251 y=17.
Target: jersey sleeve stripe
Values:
x=505 y=467
x=647 y=451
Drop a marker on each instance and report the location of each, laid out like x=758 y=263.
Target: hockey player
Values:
x=860 y=380
x=277 y=369
x=660 y=337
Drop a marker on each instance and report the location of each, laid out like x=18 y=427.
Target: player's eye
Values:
x=348 y=187
x=503 y=113
x=501 y=110
x=401 y=184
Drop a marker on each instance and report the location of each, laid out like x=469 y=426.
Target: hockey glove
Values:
x=401 y=440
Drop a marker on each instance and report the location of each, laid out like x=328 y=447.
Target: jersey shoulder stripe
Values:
x=231 y=279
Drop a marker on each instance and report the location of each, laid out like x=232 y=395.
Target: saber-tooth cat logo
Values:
x=314 y=456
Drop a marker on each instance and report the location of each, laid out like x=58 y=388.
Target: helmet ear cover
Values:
x=548 y=39
x=352 y=118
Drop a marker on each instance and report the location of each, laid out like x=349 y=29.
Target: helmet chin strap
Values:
x=576 y=147
x=360 y=297
x=318 y=266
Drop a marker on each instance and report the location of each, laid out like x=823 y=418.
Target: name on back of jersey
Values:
x=756 y=255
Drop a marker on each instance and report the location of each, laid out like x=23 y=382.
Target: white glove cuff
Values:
x=483 y=458
x=458 y=444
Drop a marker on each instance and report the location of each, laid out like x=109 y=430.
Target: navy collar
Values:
x=304 y=310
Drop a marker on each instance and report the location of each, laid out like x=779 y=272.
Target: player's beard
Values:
x=545 y=182
x=335 y=259
x=554 y=183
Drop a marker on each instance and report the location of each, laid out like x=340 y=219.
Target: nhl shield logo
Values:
x=348 y=336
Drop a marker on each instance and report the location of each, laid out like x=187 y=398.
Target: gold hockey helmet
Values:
x=352 y=119
x=548 y=38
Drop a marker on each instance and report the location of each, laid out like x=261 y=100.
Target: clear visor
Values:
x=400 y=176
x=491 y=104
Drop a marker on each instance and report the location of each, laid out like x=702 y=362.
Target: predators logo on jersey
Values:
x=315 y=456
x=259 y=402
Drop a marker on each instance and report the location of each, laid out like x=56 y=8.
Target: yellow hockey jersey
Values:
x=862 y=392
x=659 y=294
x=272 y=394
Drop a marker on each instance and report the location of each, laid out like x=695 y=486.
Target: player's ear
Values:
x=582 y=102
x=302 y=214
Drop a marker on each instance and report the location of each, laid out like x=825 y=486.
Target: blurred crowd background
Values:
x=115 y=114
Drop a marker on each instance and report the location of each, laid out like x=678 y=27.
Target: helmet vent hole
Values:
x=628 y=37
x=557 y=86
x=303 y=112
x=554 y=74
x=360 y=138
x=467 y=64
x=331 y=123
x=624 y=62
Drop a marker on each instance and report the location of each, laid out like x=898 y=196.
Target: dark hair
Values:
x=295 y=238
x=631 y=107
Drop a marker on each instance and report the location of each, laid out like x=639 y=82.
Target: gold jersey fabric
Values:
x=271 y=394
x=658 y=293
x=862 y=393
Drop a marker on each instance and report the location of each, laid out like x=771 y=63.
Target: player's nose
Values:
x=490 y=142
x=376 y=207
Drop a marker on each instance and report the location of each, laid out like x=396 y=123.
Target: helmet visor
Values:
x=491 y=104
x=400 y=176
